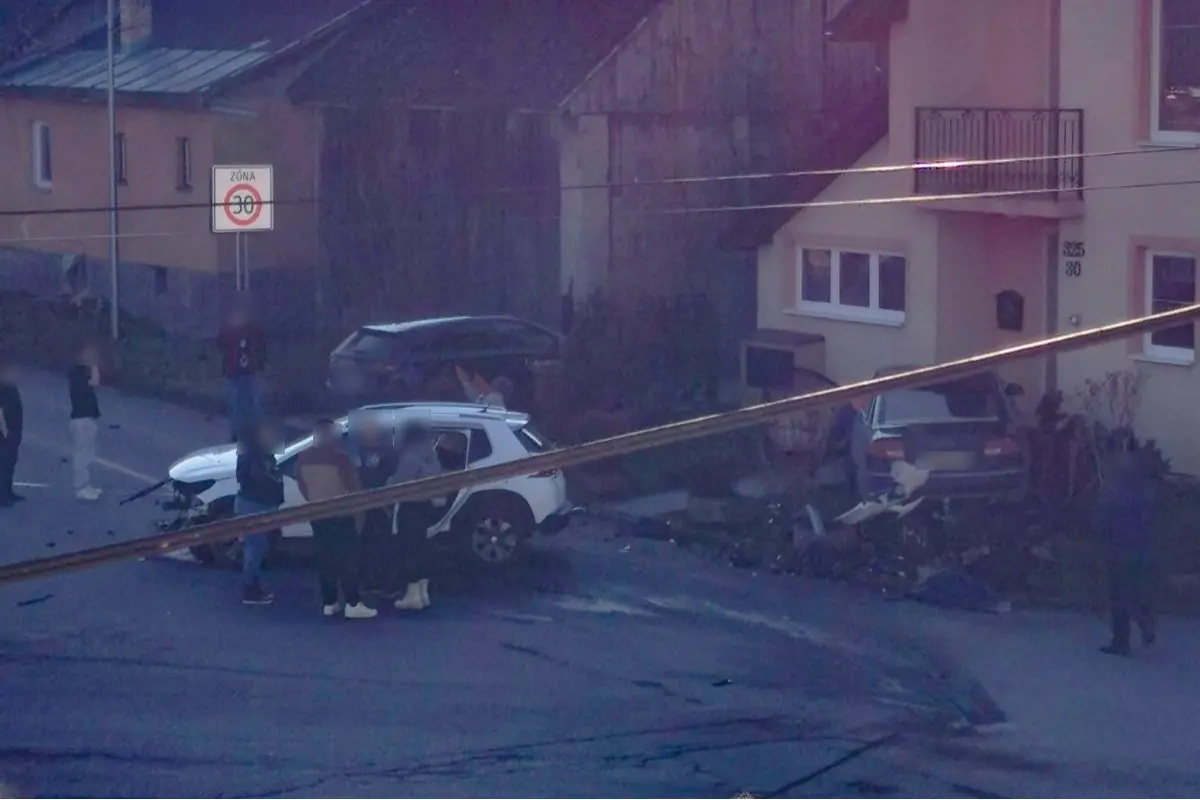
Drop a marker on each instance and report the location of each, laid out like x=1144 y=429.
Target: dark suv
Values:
x=415 y=360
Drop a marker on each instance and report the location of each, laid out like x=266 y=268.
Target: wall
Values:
x=430 y=212
x=855 y=350
x=79 y=135
x=1105 y=70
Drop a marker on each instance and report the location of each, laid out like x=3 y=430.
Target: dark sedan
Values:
x=964 y=431
x=415 y=360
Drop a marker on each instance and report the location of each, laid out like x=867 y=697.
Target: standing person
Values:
x=82 y=380
x=418 y=459
x=243 y=346
x=325 y=471
x=1126 y=515
x=12 y=424
x=376 y=458
x=260 y=489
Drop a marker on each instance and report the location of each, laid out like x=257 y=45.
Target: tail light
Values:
x=887 y=449
x=1000 y=447
x=546 y=473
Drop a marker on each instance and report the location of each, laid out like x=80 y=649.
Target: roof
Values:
x=444 y=410
x=158 y=70
x=449 y=322
x=193 y=47
x=520 y=54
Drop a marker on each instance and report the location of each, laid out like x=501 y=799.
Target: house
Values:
x=197 y=85
x=1069 y=235
x=439 y=153
x=486 y=152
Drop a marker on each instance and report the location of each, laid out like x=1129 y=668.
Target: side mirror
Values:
x=1014 y=390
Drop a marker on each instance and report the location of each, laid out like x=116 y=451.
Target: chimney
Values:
x=137 y=22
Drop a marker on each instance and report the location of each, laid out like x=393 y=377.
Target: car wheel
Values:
x=496 y=529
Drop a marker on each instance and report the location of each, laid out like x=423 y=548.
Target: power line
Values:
x=34 y=239
x=693 y=180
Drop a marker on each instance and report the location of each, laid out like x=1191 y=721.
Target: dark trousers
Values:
x=336 y=552
x=9 y=450
x=412 y=548
x=379 y=550
x=1131 y=597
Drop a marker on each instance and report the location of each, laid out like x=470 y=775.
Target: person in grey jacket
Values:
x=418 y=459
x=1125 y=518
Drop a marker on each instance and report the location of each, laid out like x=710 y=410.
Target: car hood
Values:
x=211 y=463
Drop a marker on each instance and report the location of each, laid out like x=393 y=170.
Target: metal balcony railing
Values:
x=1051 y=137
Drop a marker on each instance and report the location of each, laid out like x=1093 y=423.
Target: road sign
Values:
x=242 y=199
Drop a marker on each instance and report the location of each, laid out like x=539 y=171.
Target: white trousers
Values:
x=83 y=451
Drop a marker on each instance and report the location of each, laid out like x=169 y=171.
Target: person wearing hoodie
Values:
x=1125 y=516
x=325 y=471
x=260 y=489
x=418 y=459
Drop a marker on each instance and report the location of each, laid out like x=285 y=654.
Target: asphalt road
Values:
x=605 y=666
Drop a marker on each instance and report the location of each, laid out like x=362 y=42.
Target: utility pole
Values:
x=113 y=255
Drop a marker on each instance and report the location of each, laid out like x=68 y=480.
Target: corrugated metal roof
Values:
x=158 y=70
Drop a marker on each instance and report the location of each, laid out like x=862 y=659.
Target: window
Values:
x=183 y=164
x=852 y=285
x=533 y=441
x=40 y=150
x=479 y=448
x=973 y=398
x=121 y=162
x=367 y=343
x=160 y=280
x=1170 y=283
x=1175 y=71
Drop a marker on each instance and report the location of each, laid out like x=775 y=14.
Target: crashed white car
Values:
x=490 y=522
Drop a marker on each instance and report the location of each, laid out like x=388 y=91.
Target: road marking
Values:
x=597 y=606
x=103 y=462
x=24 y=485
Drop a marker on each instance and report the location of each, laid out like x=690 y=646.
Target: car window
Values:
x=969 y=398
x=479 y=448
x=532 y=440
x=367 y=343
x=527 y=339
x=451 y=449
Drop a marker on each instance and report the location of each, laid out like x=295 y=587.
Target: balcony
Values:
x=1050 y=184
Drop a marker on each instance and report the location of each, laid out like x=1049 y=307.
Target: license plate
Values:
x=946 y=461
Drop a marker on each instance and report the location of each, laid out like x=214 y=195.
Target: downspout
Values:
x=1054 y=90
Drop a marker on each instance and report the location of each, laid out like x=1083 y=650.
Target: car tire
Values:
x=494 y=529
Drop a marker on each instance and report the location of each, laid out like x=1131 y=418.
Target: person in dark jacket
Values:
x=375 y=455
x=1125 y=516
x=243 y=346
x=12 y=424
x=418 y=460
x=260 y=489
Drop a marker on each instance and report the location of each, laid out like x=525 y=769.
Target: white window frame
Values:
x=1156 y=134
x=1155 y=352
x=36 y=154
x=872 y=313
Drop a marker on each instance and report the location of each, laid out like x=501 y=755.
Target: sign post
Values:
x=243 y=200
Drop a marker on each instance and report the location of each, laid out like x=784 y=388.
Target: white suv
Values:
x=491 y=521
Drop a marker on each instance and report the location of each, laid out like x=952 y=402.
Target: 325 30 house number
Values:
x=1073 y=251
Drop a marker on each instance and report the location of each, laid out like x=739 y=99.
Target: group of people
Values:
x=381 y=551
x=82 y=380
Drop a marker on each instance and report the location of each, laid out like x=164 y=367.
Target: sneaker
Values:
x=332 y=610
x=423 y=584
x=88 y=493
x=360 y=611
x=257 y=596
x=412 y=600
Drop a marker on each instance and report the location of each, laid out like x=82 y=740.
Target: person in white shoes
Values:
x=325 y=471
x=418 y=459
x=82 y=380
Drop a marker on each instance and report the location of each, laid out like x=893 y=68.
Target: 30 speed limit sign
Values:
x=242 y=199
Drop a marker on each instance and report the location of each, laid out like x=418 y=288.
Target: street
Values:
x=605 y=666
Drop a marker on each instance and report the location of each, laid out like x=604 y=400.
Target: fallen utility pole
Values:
x=625 y=444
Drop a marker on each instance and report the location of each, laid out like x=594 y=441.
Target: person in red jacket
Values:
x=243 y=346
